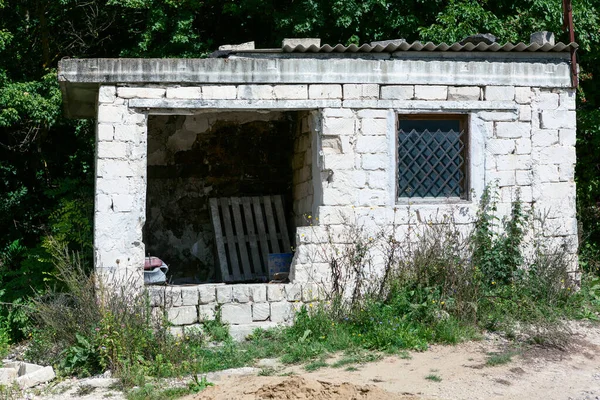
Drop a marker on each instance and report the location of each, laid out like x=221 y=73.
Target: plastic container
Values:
x=279 y=263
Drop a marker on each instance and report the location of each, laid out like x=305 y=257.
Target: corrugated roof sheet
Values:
x=419 y=46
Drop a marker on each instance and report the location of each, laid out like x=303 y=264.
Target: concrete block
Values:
x=291 y=92
x=512 y=129
x=241 y=293
x=374 y=126
x=34 y=378
x=107 y=94
x=544 y=138
x=255 y=92
x=282 y=312
x=361 y=91
x=325 y=92
x=224 y=294
x=236 y=314
x=431 y=92
x=567 y=137
x=397 y=92
x=261 y=311
x=189 y=296
x=372 y=144
x=207 y=312
x=464 y=93
x=216 y=92
x=375 y=161
x=206 y=294
x=140 y=93
x=500 y=93
x=275 y=292
x=557 y=119
x=185 y=92
x=184 y=315
x=523 y=95
x=105 y=132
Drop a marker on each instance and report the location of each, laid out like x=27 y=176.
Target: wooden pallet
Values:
x=247 y=229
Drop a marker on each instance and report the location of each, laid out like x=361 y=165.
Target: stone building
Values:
x=341 y=133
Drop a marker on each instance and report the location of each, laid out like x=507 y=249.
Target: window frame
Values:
x=464 y=126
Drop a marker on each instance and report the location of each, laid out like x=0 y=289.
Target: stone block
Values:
x=224 y=294
x=523 y=95
x=156 y=295
x=236 y=314
x=371 y=198
x=464 y=93
x=258 y=293
x=557 y=155
x=557 y=119
x=311 y=292
x=34 y=378
x=140 y=92
x=361 y=91
x=255 y=92
x=338 y=126
x=397 y=92
x=339 y=197
x=500 y=93
x=378 y=180
x=261 y=311
x=566 y=172
x=282 y=312
x=544 y=138
x=184 y=315
x=173 y=297
x=372 y=144
x=206 y=294
x=541 y=38
x=293 y=292
x=513 y=162
x=512 y=129
x=567 y=137
x=112 y=150
x=241 y=293
x=275 y=292
x=502 y=178
x=291 y=92
x=207 y=312
x=338 y=161
x=374 y=126
x=500 y=146
x=375 y=161
x=547 y=173
x=127 y=133
x=546 y=101
x=431 y=92
x=525 y=113
x=524 y=178
x=7 y=376
x=176 y=331
x=325 y=92
x=217 y=92
x=185 y=92
x=338 y=113
x=111 y=114
x=107 y=94
x=105 y=132
x=567 y=100
x=239 y=333
x=497 y=116
x=523 y=146
x=189 y=296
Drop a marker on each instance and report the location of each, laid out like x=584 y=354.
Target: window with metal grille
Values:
x=432 y=156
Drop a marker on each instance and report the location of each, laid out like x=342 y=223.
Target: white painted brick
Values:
x=105 y=132
x=523 y=178
x=504 y=178
x=397 y=92
x=224 y=294
x=291 y=92
x=431 y=92
x=206 y=294
x=112 y=150
x=370 y=197
x=567 y=100
x=361 y=91
x=256 y=92
x=372 y=144
x=512 y=129
x=374 y=126
x=241 y=293
x=566 y=172
x=282 y=312
x=567 y=137
x=184 y=315
x=325 y=92
x=275 y=292
x=261 y=311
x=378 y=180
x=107 y=168
x=375 y=161
x=349 y=179
x=525 y=113
x=338 y=113
x=186 y=92
x=135 y=118
x=544 y=138
x=127 y=133
x=338 y=161
x=557 y=155
x=511 y=162
x=338 y=126
x=371 y=113
x=107 y=94
x=293 y=292
x=499 y=93
x=216 y=92
x=464 y=93
x=547 y=173
x=557 y=119
x=236 y=314
x=497 y=116
x=546 y=101
x=207 y=312
x=141 y=92
x=189 y=296
x=124 y=203
x=500 y=146
x=523 y=95
x=523 y=146
x=111 y=114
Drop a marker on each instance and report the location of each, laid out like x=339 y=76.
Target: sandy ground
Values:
x=538 y=373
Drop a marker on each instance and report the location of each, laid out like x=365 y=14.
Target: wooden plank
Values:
x=241 y=238
x=233 y=258
x=252 y=239
x=271 y=224
x=262 y=233
x=214 y=211
x=285 y=237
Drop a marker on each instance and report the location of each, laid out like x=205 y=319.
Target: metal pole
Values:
x=568 y=24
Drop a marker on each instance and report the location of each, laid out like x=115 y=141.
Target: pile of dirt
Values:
x=299 y=388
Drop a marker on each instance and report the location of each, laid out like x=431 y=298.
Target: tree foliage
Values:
x=46 y=173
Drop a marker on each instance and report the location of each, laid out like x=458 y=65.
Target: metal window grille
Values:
x=431 y=164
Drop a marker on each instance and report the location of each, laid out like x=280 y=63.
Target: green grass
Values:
x=499 y=358
x=351 y=369
x=315 y=365
x=433 y=378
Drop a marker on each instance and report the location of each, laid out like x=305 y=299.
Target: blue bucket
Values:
x=279 y=262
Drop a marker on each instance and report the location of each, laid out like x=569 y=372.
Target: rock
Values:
x=7 y=376
x=542 y=38
x=99 y=382
x=41 y=375
x=486 y=38
x=268 y=363
x=215 y=376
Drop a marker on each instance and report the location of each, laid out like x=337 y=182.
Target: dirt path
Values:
x=536 y=374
